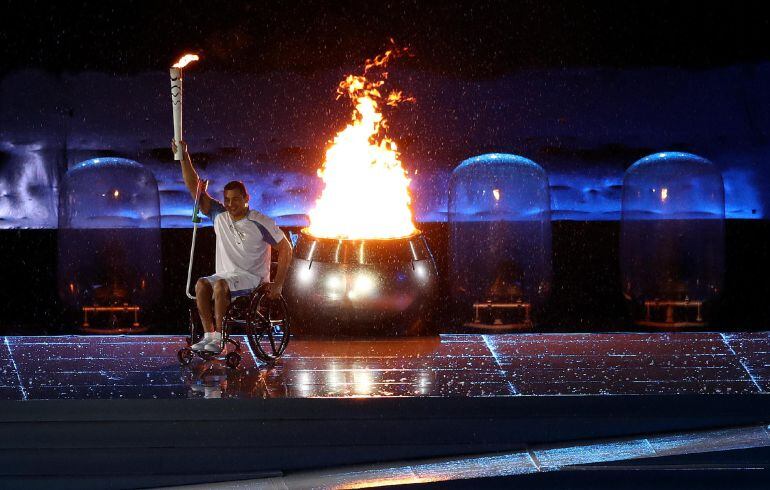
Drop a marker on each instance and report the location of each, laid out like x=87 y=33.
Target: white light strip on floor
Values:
x=726 y=341
x=502 y=372
x=16 y=369
x=538 y=459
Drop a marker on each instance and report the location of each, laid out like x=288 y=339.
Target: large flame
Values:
x=366 y=190
x=186 y=60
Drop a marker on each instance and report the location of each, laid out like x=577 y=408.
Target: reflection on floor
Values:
x=533 y=460
x=80 y=367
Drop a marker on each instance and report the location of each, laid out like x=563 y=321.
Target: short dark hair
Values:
x=236 y=185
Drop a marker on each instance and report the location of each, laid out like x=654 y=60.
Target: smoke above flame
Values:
x=366 y=189
x=186 y=60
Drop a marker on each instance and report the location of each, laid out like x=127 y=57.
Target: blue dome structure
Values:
x=672 y=236
x=500 y=238
x=109 y=235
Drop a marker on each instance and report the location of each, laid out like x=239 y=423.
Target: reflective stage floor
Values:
x=81 y=411
x=145 y=367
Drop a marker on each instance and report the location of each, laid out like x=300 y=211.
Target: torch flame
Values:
x=366 y=189
x=186 y=60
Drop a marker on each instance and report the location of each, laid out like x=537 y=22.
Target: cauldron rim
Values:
x=362 y=251
x=416 y=233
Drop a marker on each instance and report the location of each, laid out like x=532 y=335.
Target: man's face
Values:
x=235 y=203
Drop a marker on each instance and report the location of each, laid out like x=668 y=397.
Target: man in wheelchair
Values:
x=244 y=238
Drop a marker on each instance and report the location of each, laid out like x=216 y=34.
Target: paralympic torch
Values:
x=176 y=98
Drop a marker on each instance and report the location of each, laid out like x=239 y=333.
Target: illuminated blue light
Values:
x=585 y=193
x=593 y=453
x=719 y=440
x=742 y=198
x=673 y=185
x=592 y=194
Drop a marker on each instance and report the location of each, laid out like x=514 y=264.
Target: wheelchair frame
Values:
x=265 y=322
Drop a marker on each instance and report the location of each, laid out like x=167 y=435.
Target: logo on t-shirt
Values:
x=238 y=234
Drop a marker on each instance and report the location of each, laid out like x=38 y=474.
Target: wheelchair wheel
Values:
x=206 y=355
x=185 y=356
x=268 y=327
x=232 y=360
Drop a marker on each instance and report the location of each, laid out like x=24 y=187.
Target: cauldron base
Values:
x=367 y=288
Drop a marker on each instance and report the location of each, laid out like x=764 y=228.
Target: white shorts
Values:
x=236 y=281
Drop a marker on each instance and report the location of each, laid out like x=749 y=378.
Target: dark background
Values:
x=474 y=39
x=586 y=293
x=478 y=41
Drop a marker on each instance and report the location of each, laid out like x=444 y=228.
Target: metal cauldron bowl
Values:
x=360 y=287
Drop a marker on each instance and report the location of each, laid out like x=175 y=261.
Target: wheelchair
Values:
x=264 y=321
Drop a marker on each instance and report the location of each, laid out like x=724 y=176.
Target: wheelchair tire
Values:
x=232 y=360
x=185 y=356
x=206 y=355
x=268 y=329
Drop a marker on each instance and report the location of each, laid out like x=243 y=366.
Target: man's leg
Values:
x=203 y=296
x=221 y=301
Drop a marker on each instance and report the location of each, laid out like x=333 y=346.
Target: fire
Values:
x=186 y=60
x=366 y=189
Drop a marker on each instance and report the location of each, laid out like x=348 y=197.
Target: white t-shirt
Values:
x=244 y=245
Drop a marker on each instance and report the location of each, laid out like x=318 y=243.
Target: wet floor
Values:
x=83 y=367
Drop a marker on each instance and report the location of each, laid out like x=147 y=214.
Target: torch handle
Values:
x=176 y=106
x=190 y=263
x=203 y=186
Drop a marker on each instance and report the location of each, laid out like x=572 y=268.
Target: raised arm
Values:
x=191 y=177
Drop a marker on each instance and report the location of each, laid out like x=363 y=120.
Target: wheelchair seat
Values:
x=242 y=292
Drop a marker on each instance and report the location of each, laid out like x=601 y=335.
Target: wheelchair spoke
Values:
x=268 y=328
x=272 y=340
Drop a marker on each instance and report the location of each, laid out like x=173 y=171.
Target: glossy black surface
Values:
x=361 y=287
x=114 y=367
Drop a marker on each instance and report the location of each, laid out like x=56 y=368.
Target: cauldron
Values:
x=360 y=287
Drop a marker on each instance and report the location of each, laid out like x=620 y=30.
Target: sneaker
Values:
x=214 y=344
x=212 y=392
x=200 y=345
